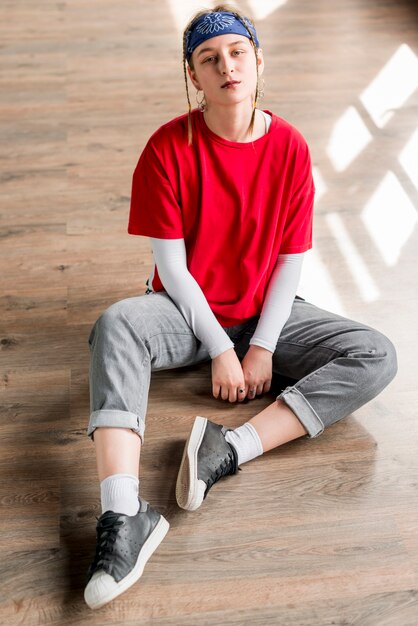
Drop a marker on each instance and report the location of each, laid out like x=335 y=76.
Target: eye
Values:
x=238 y=52
x=208 y=59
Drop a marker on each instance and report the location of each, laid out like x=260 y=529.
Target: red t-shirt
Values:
x=237 y=206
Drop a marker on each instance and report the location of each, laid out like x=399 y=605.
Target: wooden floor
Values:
x=317 y=532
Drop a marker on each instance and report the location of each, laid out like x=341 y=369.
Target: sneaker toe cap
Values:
x=99 y=590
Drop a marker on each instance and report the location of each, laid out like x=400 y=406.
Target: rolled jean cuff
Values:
x=296 y=401
x=109 y=418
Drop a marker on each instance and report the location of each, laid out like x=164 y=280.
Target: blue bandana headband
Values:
x=214 y=24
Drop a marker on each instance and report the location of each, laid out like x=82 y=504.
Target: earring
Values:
x=201 y=104
x=260 y=90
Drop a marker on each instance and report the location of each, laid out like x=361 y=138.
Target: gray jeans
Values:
x=337 y=364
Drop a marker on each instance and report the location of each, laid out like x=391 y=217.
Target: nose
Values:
x=226 y=65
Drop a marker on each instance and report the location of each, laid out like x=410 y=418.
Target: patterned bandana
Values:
x=213 y=24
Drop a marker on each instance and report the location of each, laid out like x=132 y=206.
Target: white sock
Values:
x=246 y=442
x=119 y=493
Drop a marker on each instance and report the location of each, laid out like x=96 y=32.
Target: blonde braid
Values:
x=189 y=115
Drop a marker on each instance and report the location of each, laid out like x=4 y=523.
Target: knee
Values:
x=109 y=324
x=385 y=356
x=110 y=317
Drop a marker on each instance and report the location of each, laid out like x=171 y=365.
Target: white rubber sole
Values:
x=102 y=588
x=189 y=490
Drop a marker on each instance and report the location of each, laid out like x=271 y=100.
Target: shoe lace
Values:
x=229 y=465
x=107 y=532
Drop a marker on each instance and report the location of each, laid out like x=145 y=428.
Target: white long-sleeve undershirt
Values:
x=171 y=260
x=278 y=301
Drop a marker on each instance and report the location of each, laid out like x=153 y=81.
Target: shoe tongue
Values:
x=109 y=517
x=143 y=505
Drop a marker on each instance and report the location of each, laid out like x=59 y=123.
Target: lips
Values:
x=231 y=82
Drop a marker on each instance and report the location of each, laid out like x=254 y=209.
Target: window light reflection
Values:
x=390 y=218
x=261 y=9
x=320 y=185
x=353 y=259
x=408 y=158
x=349 y=137
x=392 y=86
x=183 y=11
x=316 y=284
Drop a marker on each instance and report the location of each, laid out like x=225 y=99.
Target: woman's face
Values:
x=220 y=60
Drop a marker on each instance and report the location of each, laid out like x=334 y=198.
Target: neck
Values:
x=231 y=123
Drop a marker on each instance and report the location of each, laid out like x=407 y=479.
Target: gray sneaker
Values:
x=207 y=458
x=123 y=546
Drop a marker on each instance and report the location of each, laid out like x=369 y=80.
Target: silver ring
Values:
x=253 y=390
x=241 y=390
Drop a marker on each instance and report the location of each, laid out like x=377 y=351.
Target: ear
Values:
x=260 y=61
x=193 y=77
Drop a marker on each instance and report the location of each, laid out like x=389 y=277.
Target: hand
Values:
x=228 y=377
x=257 y=366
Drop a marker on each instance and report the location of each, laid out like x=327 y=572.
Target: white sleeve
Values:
x=278 y=302
x=171 y=261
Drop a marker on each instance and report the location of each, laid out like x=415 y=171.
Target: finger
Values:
x=252 y=391
x=267 y=386
x=224 y=393
x=233 y=391
x=259 y=389
x=215 y=390
x=241 y=393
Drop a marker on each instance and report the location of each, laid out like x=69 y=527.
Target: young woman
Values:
x=225 y=194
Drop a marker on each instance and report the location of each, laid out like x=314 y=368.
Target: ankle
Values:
x=246 y=442
x=119 y=493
